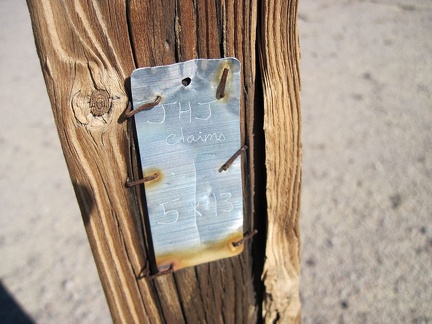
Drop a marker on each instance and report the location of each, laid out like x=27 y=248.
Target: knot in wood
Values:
x=100 y=102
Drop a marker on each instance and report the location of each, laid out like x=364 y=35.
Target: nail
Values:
x=228 y=163
x=129 y=112
x=140 y=181
x=162 y=273
x=220 y=93
x=245 y=238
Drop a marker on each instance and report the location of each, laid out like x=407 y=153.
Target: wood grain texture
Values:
x=279 y=54
x=86 y=46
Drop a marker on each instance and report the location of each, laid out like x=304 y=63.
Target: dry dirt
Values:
x=366 y=208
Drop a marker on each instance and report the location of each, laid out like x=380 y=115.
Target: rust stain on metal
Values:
x=100 y=102
x=214 y=250
x=156 y=176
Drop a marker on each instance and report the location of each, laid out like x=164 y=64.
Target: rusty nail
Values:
x=147 y=106
x=220 y=93
x=140 y=181
x=162 y=273
x=228 y=163
x=245 y=238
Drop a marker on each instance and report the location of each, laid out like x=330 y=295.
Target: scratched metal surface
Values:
x=195 y=211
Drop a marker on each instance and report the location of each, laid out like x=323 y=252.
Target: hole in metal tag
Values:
x=195 y=208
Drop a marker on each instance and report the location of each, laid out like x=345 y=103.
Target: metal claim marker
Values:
x=187 y=126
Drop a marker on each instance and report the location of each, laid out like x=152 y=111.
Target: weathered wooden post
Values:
x=88 y=50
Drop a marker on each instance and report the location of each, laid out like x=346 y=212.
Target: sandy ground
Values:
x=366 y=210
x=367 y=116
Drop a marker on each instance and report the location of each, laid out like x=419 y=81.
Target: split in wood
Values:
x=245 y=238
x=130 y=184
x=220 y=92
x=228 y=163
x=129 y=112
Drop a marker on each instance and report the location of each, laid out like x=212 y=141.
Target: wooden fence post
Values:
x=279 y=54
x=91 y=47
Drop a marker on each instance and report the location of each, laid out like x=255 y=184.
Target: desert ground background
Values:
x=366 y=216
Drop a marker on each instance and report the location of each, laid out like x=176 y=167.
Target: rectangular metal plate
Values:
x=195 y=211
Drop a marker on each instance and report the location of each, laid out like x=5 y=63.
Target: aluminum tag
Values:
x=194 y=207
